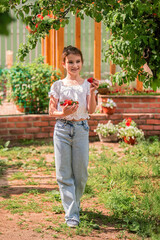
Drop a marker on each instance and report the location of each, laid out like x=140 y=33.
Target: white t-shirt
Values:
x=76 y=92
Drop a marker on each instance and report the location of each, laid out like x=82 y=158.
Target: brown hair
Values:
x=71 y=50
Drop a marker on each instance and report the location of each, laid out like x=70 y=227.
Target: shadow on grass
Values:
x=7 y=192
x=100 y=221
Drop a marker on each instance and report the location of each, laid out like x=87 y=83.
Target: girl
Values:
x=71 y=132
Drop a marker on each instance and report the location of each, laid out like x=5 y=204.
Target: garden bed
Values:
x=42 y=126
x=144 y=110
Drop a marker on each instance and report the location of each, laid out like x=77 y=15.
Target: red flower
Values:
x=40 y=16
x=90 y=80
x=129 y=119
x=128 y=124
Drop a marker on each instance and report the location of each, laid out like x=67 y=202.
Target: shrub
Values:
x=30 y=84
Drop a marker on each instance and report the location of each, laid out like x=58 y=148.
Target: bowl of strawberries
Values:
x=68 y=102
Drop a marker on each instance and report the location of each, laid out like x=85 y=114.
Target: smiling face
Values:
x=73 y=64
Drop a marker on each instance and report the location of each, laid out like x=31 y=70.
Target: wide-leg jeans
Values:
x=71 y=147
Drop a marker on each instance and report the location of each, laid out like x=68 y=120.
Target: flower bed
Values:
x=144 y=110
x=133 y=104
x=42 y=126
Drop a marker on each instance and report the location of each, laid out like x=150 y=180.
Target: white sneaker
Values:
x=72 y=223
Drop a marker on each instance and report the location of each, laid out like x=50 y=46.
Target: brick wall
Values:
x=145 y=111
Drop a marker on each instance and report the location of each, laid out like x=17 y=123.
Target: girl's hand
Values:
x=94 y=85
x=67 y=111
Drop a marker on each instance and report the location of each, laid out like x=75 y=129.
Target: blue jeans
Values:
x=71 y=147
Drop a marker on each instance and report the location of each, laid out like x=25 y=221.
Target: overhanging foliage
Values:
x=135 y=27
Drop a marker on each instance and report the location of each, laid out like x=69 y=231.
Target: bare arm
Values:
x=53 y=112
x=91 y=99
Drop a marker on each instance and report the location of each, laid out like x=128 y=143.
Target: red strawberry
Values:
x=90 y=80
x=69 y=102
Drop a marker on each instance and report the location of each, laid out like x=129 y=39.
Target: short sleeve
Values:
x=88 y=88
x=55 y=89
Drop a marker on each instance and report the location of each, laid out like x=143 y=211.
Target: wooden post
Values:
x=112 y=68
x=51 y=47
x=97 y=50
x=54 y=48
x=78 y=32
x=47 y=47
x=59 y=47
x=139 y=85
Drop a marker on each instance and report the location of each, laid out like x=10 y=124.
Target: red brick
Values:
x=132 y=115
x=98 y=116
x=115 y=116
x=3 y=132
x=51 y=135
x=92 y=134
x=25 y=136
x=41 y=135
x=3 y=119
x=146 y=116
x=140 y=105
x=131 y=110
x=155 y=105
x=32 y=118
x=16 y=119
x=46 y=118
x=152 y=133
x=153 y=121
x=157 y=110
x=3 y=125
x=40 y=124
x=93 y=122
x=156 y=127
x=92 y=128
x=124 y=105
x=23 y=125
x=52 y=123
x=157 y=116
x=140 y=121
x=102 y=122
x=132 y=100
x=146 y=127
x=149 y=100
x=32 y=130
x=10 y=125
x=47 y=129
x=118 y=100
x=120 y=110
x=7 y=138
x=7 y=125
x=16 y=131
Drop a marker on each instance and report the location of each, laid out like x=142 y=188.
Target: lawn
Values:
x=121 y=199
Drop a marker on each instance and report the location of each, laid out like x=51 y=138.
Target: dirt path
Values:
x=47 y=224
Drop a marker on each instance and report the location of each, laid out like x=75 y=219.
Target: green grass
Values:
x=129 y=187
x=125 y=182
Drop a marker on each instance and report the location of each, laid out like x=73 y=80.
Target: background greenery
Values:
x=29 y=84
